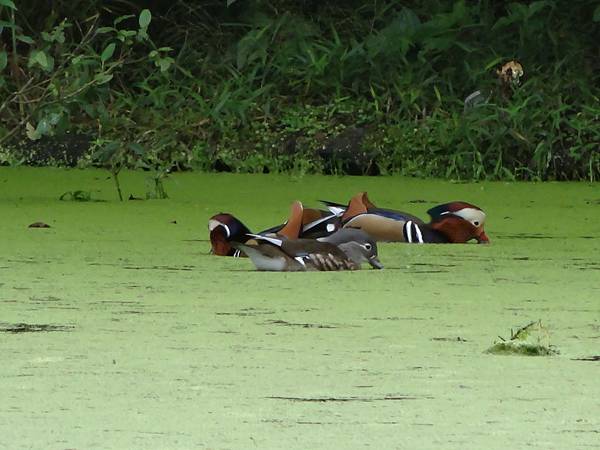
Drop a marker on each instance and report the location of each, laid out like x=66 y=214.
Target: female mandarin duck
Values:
x=302 y=222
x=346 y=249
x=455 y=222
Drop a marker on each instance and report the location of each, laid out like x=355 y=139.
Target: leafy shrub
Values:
x=263 y=86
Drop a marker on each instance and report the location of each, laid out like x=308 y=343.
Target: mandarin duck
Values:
x=346 y=249
x=224 y=228
x=454 y=222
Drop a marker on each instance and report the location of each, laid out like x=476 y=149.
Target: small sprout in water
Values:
x=530 y=340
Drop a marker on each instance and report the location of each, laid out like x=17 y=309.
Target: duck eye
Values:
x=367 y=246
x=476 y=223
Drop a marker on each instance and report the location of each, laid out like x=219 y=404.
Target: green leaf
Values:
x=50 y=64
x=59 y=37
x=124 y=35
x=108 y=52
x=466 y=47
x=142 y=35
x=597 y=14
x=107 y=151
x=41 y=58
x=103 y=30
x=137 y=149
x=31 y=132
x=43 y=127
x=503 y=22
x=120 y=19
x=537 y=6
x=8 y=4
x=103 y=78
x=494 y=62
x=186 y=72
x=145 y=18
x=46 y=62
x=230 y=2
x=5 y=24
x=3 y=60
x=35 y=133
x=437 y=93
x=165 y=63
x=23 y=38
x=407 y=21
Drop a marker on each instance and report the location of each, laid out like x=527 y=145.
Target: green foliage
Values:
x=246 y=87
x=505 y=348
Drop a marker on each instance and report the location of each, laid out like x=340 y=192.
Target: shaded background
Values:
x=303 y=87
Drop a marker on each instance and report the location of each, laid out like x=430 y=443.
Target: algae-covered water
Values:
x=119 y=330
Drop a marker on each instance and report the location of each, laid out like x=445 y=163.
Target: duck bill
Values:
x=482 y=238
x=375 y=263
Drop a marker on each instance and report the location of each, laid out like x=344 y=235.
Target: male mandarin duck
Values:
x=346 y=249
x=454 y=222
x=302 y=222
x=307 y=223
x=224 y=229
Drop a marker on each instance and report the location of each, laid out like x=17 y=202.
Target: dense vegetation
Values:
x=303 y=86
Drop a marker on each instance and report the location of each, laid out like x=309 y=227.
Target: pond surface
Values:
x=119 y=330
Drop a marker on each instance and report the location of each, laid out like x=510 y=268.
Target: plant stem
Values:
x=15 y=58
x=159 y=188
x=115 y=174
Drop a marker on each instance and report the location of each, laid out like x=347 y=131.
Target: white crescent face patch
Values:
x=212 y=224
x=475 y=216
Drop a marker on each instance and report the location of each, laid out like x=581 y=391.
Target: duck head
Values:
x=360 y=252
x=224 y=229
x=459 y=222
x=359 y=246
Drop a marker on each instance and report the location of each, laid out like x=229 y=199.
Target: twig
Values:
x=522 y=330
x=15 y=94
x=14 y=54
